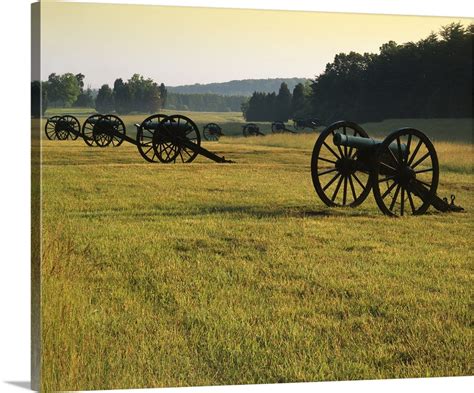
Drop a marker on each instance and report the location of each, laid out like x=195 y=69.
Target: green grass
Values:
x=203 y=274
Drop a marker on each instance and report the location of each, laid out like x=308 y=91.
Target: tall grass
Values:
x=204 y=274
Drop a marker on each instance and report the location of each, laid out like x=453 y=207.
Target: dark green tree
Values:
x=163 y=94
x=283 y=103
x=104 y=102
x=122 y=97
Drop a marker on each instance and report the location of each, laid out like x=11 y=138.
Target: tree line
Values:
x=278 y=107
x=67 y=90
x=431 y=78
x=135 y=95
x=204 y=102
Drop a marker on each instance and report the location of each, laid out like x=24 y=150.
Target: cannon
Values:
x=251 y=129
x=402 y=170
x=301 y=124
x=212 y=132
x=62 y=128
x=104 y=130
x=166 y=139
x=279 y=127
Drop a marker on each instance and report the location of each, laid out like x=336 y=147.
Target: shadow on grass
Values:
x=241 y=211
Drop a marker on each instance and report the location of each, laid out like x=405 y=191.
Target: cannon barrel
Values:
x=105 y=121
x=358 y=142
x=158 y=125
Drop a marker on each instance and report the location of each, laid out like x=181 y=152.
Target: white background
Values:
x=15 y=188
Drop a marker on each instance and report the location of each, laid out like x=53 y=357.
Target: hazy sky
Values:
x=177 y=45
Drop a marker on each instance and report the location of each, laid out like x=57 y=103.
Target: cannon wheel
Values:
x=72 y=130
x=335 y=166
x=88 y=129
x=397 y=176
x=50 y=128
x=278 y=127
x=212 y=132
x=167 y=149
x=251 y=129
x=145 y=138
x=119 y=128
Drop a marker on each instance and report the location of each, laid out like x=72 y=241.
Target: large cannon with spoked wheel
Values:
x=62 y=128
x=104 y=130
x=162 y=138
x=402 y=170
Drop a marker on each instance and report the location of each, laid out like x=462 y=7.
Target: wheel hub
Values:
x=405 y=175
x=346 y=166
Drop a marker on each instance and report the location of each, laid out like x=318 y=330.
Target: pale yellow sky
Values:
x=177 y=45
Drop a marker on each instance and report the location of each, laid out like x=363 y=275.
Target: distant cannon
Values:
x=62 y=128
x=279 y=127
x=104 y=130
x=402 y=170
x=301 y=124
x=251 y=129
x=212 y=132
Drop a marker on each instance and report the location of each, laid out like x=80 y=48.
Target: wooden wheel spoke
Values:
x=332 y=151
x=422 y=182
x=394 y=199
x=337 y=189
x=327 y=171
x=387 y=191
x=344 y=194
x=386 y=178
x=399 y=149
x=331 y=181
x=351 y=183
x=392 y=155
x=412 y=204
x=358 y=181
x=408 y=146
x=415 y=152
x=418 y=162
x=326 y=160
x=390 y=168
x=402 y=201
x=425 y=170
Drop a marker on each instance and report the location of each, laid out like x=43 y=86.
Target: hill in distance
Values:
x=244 y=87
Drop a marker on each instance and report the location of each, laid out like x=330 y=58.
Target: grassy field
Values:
x=203 y=274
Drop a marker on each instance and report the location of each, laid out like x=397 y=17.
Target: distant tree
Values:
x=85 y=99
x=152 y=99
x=145 y=94
x=122 y=97
x=54 y=87
x=104 y=102
x=70 y=89
x=163 y=94
x=63 y=89
x=283 y=103
x=298 y=101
